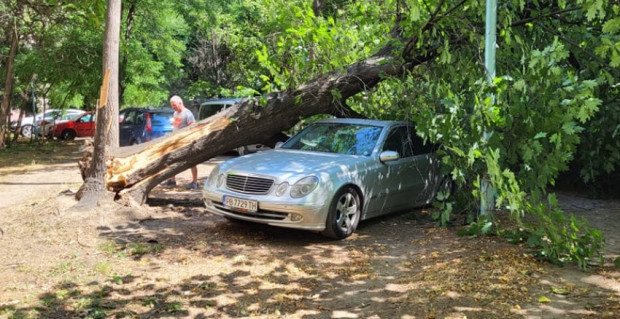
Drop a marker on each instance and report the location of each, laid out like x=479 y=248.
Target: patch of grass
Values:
x=173 y=307
x=131 y=249
x=66 y=268
x=103 y=268
x=140 y=249
x=44 y=152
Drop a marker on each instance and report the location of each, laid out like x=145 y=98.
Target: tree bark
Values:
x=107 y=116
x=5 y=109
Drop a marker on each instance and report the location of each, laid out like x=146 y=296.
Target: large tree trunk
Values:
x=5 y=109
x=136 y=170
x=107 y=116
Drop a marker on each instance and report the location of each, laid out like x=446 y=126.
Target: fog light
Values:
x=296 y=217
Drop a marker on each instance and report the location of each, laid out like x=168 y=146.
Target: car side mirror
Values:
x=387 y=156
x=279 y=144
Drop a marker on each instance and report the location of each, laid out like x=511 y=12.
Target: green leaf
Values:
x=559 y=291
x=617 y=262
x=543 y=299
x=540 y=135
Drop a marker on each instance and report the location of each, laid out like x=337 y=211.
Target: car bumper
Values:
x=294 y=213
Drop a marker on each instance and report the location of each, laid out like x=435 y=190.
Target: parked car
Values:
x=46 y=127
x=328 y=177
x=139 y=125
x=83 y=125
x=211 y=107
x=30 y=124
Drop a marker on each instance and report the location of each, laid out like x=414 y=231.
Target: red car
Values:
x=82 y=126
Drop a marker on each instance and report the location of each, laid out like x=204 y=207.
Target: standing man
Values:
x=182 y=117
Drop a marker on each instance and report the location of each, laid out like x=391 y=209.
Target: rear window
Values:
x=207 y=110
x=161 y=118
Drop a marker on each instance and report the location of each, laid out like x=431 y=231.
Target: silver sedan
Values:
x=328 y=177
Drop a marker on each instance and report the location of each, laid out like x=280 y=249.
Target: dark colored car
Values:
x=210 y=107
x=82 y=126
x=140 y=125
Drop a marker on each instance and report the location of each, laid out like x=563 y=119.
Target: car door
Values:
x=410 y=172
x=425 y=168
x=126 y=127
x=381 y=186
x=85 y=126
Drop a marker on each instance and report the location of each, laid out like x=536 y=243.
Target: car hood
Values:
x=284 y=164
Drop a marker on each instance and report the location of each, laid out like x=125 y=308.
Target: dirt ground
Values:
x=171 y=259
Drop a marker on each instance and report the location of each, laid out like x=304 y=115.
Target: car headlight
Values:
x=213 y=176
x=220 y=180
x=281 y=189
x=304 y=186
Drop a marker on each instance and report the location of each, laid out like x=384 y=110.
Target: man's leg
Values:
x=194 y=183
x=194 y=174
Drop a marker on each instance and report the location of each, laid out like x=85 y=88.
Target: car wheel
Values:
x=26 y=130
x=344 y=214
x=67 y=135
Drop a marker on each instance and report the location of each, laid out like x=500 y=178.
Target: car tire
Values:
x=26 y=131
x=344 y=214
x=67 y=135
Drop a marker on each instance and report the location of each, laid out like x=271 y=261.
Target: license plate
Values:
x=241 y=204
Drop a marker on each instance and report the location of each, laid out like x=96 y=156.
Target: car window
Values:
x=69 y=117
x=418 y=145
x=129 y=118
x=87 y=118
x=353 y=139
x=398 y=140
x=406 y=142
x=207 y=110
x=139 y=117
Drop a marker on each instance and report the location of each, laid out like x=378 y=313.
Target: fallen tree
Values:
x=134 y=171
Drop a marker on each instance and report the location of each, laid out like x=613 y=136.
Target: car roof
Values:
x=364 y=122
x=228 y=100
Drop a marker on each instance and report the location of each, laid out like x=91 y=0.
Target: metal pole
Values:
x=487 y=191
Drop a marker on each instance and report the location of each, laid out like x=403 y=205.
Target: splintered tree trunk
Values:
x=93 y=188
x=135 y=172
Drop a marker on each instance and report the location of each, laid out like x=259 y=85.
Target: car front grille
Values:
x=248 y=184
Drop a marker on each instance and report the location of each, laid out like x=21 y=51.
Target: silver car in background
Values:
x=328 y=177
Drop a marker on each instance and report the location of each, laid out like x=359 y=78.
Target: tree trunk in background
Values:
x=93 y=188
x=5 y=109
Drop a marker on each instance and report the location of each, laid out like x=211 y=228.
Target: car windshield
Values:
x=352 y=139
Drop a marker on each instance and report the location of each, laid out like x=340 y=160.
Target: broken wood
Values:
x=122 y=171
